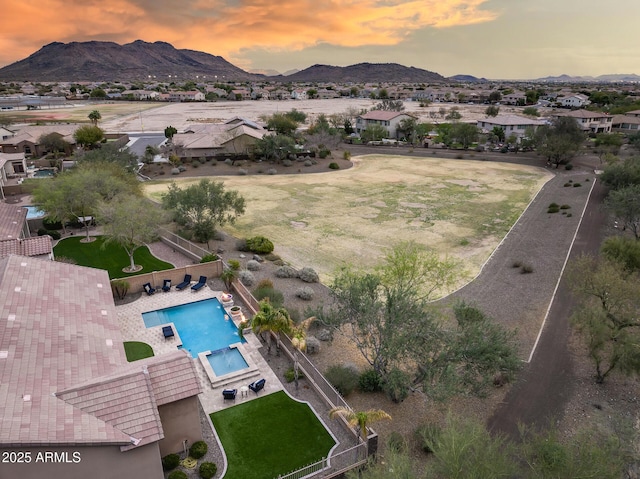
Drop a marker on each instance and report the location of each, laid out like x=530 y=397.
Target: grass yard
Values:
x=269 y=436
x=110 y=257
x=136 y=350
x=458 y=208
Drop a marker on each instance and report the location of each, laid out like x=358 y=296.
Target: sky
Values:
x=495 y=39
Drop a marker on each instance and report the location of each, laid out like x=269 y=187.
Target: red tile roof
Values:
x=36 y=246
x=12 y=219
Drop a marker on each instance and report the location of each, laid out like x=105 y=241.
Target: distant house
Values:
x=589 y=121
x=194 y=95
x=510 y=124
x=12 y=165
x=299 y=94
x=68 y=391
x=5 y=133
x=239 y=94
x=27 y=139
x=627 y=123
x=574 y=101
x=388 y=119
x=515 y=98
x=235 y=136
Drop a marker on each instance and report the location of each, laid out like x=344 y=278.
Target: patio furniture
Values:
x=167 y=331
x=148 y=288
x=256 y=386
x=186 y=282
x=166 y=285
x=201 y=282
x=229 y=394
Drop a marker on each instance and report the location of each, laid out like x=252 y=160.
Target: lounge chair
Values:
x=166 y=285
x=256 y=386
x=201 y=282
x=229 y=393
x=148 y=288
x=186 y=282
x=167 y=331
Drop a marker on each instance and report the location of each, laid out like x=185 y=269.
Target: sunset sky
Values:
x=497 y=39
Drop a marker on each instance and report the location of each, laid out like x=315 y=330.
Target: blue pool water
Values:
x=227 y=361
x=34 y=212
x=200 y=325
x=43 y=173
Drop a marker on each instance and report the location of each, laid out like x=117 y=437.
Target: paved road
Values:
x=546 y=384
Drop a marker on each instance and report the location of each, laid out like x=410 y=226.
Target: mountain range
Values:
x=139 y=60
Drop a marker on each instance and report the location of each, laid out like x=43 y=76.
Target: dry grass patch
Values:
x=352 y=216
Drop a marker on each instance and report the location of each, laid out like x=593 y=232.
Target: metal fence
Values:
x=185 y=246
x=335 y=466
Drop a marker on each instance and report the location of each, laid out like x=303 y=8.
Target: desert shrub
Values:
x=569 y=215
x=246 y=277
x=567 y=184
x=576 y=185
x=396 y=442
x=265 y=283
x=308 y=163
x=290 y=375
x=553 y=209
x=568 y=167
x=120 y=287
x=324 y=152
x=207 y=258
x=272 y=171
x=526 y=269
x=207 y=470
x=241 y=245
x=287 y=163
x=334 y=166
x=516 y=264
x=459 y=157
x=228 y=162
x=346 y=155
x=253 y=265
x=195 y=165
x=286 y=271
x=198 y=449
x=170 y=461
x=464 y=242
x=55 y=234
x=177 y=475
x=272 y=257
x=276 y=298
x=51 y=224
x=182 y=168
x=370 y=381
x=259 y=245
x=343 y=378
x=565 y=207
x=234 y=264
x=397 y=385
x=308 y=275
x=243 y=172
x=554 y=205
x=175 y=171
x=305 y=293
x=428 y=435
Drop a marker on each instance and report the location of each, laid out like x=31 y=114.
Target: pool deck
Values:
x=133 y=329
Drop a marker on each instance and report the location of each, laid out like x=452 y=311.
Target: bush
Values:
x=198 y=449
x=308 y=163
x=120 y=287
x=575 y=185
x=526 y=269
x=253 y=265
x=228 y=162
x=234 y=264
x=370 y=381
x=568 y=167
x=346 y=155
x=565 y=207
x=343 y=378
x=516 y=264
x=308 y=275
x=259 y=245
x=396 y=442
x=170 y=461
x=55 y=234
x=276 y=298
x=175 y=171
x=246 y=277
x=290 y=375
x=286 y=271
x=241 y=245
x=397 y=385
x=207 y=258
x=265 y=283
x=272 y=171
x=567 y=184
x=207 y=470
x=51 y=225
x=241 y=172
x=334 y=166
x=287 y=163
x=272 y=257
x=177 y=475
x=428 y=435
x=324 y=152
x=305 y=293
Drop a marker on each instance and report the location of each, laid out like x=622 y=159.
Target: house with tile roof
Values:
x=589 y=121
x=388 y=119
x=510 y=124
x=70 y=404
x=12 y=165
x=27 y=139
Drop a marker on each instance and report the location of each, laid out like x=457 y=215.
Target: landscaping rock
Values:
x=258 y=258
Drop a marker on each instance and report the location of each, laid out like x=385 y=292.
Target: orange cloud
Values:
x=227 y=27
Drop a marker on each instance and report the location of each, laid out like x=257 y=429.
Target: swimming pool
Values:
x=201 y=325
x=227 y=360
x=34 y=212
x=44 y=173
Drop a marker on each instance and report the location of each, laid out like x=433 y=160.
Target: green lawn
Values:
x=110 y=257
x=269 y=436
x=136 y=350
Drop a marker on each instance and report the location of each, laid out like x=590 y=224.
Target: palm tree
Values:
x=271 y=320
x=360 y=419
x=299 y=343
x=94 y=116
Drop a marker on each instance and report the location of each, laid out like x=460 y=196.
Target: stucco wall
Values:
x=180 y=421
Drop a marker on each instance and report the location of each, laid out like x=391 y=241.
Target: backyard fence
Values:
x=337 y=465
x=184 y=246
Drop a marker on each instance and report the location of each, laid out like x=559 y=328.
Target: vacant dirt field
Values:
x=460 y=209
